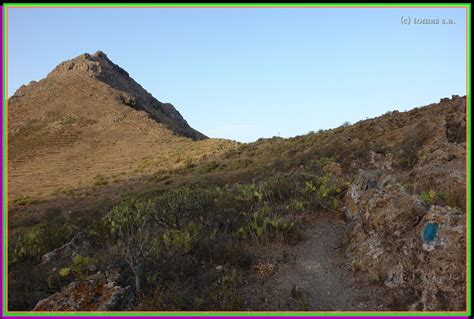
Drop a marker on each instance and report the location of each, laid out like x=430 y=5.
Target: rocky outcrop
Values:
x=383 y=214
x=63 y=255
x=442 y=169
x=400 y=240
x=97 y=294
x=456 y=125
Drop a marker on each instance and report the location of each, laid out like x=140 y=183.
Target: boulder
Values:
x=94 y=294
x=79 y=244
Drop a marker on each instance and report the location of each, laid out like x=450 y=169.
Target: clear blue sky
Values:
x=249 y=73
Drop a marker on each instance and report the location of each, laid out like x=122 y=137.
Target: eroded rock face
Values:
x=399 y=240
x=383 y=214
x=91 y=295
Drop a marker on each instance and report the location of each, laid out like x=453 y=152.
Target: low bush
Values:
x=39 y=240
x=411 y=145
x=79 y=268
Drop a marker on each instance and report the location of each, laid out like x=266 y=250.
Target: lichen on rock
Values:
x=88 y=295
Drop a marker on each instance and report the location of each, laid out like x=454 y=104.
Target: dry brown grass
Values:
x=62 y=136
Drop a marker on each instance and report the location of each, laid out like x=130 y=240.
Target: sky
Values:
x=244 y=74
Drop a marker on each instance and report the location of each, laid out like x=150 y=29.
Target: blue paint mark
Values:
x=430 y=231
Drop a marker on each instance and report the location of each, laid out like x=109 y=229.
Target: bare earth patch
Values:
x=312 y=276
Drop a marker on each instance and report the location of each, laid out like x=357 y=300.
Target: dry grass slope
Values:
x=71 y=128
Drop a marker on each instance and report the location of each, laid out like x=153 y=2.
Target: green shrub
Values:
x=39 y=240
x=30 y=245
x=177 y=239
x=429 y=197
x=452 y=197
x=191 y=225
x=326 y=191
x=257 y=224
x=79 y=268
x=176 y=207
x=133 y=235
x=64 y=272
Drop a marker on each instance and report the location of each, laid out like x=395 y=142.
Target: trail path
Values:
x=312 y=276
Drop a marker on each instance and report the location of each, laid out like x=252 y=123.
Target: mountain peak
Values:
x=86 y=67
x=93 y=65
x=100 y=54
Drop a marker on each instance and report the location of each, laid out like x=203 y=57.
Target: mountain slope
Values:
x=89 y=118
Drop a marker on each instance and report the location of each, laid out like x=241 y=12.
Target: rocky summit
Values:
x=98 y=66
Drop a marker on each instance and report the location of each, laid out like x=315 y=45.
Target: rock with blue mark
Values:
x=430 y=231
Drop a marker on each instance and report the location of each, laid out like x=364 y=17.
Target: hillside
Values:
x=363 y=217
x=87 y=121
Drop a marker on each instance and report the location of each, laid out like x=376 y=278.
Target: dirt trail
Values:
x=312 y=275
